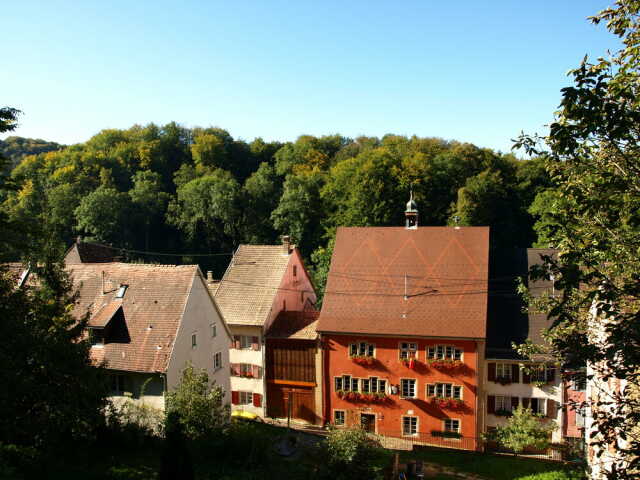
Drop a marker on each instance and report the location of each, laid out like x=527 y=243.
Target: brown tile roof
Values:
x=539 y=322
x=153 y=305
x=94 y=253
x=442 y=270
x=103 y=316
x=248 y=288
x=295 y=325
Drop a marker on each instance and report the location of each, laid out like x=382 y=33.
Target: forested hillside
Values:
x=170 y=189
x=16 y=148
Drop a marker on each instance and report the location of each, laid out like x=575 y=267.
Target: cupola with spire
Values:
x=411 y=213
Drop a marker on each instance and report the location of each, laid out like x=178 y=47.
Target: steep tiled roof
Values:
x=295 y=325
x=91 y=253
x=246 y=292
x=152 y=307
x=441 y=270
x=507 y=321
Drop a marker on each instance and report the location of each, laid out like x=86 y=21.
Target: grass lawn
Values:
x=494 y=467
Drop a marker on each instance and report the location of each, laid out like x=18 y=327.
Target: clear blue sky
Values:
x=476 y=71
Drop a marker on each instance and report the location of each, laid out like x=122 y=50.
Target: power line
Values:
x=144 y=252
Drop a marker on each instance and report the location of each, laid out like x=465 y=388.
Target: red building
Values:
x=574 y=397
x=403 y=330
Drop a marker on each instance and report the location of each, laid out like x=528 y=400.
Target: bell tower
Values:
x=411 y=213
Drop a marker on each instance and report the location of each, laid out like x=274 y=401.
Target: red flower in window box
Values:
x=365 y=360
x=445 y=364
x=410 y=362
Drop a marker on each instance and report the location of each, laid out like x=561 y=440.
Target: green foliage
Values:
x=103 y=214
x=353 y=454
x=197 y=406
x=55 y=394
x=593 y=218
x=524 y=429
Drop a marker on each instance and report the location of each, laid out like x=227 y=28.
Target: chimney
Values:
x=209 y=276
x=286 y=244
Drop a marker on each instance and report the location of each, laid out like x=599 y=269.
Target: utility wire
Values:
x=144 y=252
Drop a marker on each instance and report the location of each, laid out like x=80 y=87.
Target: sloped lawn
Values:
x=494 y=467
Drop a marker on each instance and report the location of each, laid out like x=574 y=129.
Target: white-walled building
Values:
x=511 y=380
x=260 y=282
x=147 y=322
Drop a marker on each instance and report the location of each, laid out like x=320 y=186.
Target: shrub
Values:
x=354 y=455
x=197 y=406
x=524 y=429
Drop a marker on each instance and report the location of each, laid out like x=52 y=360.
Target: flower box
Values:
x=502 y=413
x=352 y=396
x=445 y=364
x=409 y=362
x=449 y=403
x=503 y=380
x=365 y=360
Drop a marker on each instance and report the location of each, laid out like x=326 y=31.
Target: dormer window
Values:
x=121 y=291
x=96 y=336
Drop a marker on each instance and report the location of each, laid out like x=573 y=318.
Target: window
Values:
x=338 y=417
x=118 y=383
x=245 y=398
x=354 y=384
x=537 y=405
x=217 y=361
x=408 y=388
x=338 y=383
x=539 y=374
x=579 y=383
x=444 y=352
x=408 y=350
x=362 y=349
x=295 y=270
x=409 y=425
x=451 y=425
x=503 y=371
x=446 y=390
x=214 y=330
x=245 y=342
x=96 y=336
x=194 y=340
x=373 y=385
x=246 y=369
x=121 y=291
x=503 y=403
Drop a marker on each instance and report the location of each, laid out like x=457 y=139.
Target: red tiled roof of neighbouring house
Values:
x=248 y=288
x=429 y=281
x=152 y=308
x=295 y=325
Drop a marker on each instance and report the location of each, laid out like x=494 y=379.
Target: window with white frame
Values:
x=446 y=390
x=354 y=384
x=503 y=403
x=346 y=382
x=408 y=350
x=194 y=340
x=451 y=425
x=503 y=370
x=538 y=405
x=444 y=352
x=538 y=373
x=338 y=417
x=373 y=385
x=338 y=383
x=408 y=388
x=362 y=349
x=246 y=341
x=409 y=425
x=245 y=398
x=217 y=361
x=246 y=369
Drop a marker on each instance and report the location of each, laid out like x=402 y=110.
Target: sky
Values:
x=473 y=71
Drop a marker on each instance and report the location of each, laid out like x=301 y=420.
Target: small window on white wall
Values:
x=214 y=330
x=217 y=361
x=194 y=340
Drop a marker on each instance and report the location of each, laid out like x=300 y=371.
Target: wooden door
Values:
x=368 y=422
x=304 y=405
